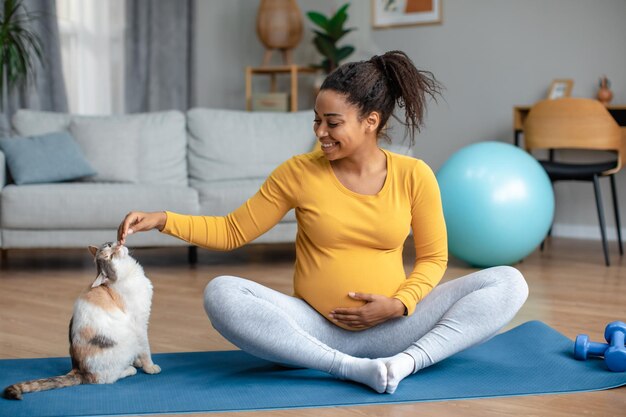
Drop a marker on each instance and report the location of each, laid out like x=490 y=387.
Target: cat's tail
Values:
x=15 y=391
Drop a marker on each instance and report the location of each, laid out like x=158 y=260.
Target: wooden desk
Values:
x=292 y=70
x=520 y=112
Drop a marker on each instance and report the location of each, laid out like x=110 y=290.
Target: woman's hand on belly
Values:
x=377 y=309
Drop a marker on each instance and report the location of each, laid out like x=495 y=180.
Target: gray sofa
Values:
x=206 y=161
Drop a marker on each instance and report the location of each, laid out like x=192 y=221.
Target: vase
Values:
x=279 y=27
x=605 y=95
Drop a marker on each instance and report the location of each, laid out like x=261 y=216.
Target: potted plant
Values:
x=325 y=40
x=20 y=50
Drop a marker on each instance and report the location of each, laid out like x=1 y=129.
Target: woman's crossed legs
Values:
x=284 y=329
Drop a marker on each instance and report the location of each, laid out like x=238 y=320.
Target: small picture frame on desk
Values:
x=560 y=88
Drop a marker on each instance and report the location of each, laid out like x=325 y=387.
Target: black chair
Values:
x=579 y=123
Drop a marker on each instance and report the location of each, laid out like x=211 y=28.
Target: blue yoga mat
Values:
x=530 y=359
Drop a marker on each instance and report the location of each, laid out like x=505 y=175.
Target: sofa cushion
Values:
x=111 y=146
x=88 y=205
x=230 y=145
x=222 y=197
x=162 y=142
x=51 y=157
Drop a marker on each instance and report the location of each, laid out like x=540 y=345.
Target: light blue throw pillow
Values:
x=52 y=157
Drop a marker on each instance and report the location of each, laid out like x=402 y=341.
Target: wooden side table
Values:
x=273 y=72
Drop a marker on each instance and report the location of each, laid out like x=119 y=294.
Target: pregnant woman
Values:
x=354 y=313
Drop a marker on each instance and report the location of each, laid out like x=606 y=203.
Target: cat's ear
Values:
x=93 y=250
x=100 y=279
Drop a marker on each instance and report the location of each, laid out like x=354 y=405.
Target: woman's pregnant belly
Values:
x=326 y=283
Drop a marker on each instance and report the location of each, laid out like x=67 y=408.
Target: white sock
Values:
x=371 y=372
x=398 y=367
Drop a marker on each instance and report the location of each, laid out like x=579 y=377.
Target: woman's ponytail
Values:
x=382 y=83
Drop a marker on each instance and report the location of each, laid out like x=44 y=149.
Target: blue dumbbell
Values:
x=584 y=348
x=614 y=354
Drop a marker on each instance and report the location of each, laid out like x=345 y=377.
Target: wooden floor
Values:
x=570 y=289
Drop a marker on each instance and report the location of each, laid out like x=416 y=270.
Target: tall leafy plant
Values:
x=331 y=31
x=20 y=48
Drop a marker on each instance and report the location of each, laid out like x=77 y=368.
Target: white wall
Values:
x=489 y=54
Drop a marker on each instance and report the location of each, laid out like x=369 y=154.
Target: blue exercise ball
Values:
x=498 y=203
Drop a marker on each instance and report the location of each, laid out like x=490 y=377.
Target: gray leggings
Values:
x=286 y=330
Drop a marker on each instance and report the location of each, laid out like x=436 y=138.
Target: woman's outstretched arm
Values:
x=253 y=218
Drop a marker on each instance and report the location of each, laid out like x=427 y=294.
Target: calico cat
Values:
x=109 y=328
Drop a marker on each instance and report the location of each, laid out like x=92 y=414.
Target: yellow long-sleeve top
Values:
x=346 y=242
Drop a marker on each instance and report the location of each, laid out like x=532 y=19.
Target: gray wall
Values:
x=489 y=54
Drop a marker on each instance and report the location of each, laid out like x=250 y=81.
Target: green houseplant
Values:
x=20 y=50
x=331 y=31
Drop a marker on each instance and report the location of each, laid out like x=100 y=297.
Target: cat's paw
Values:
x=137 y=363
x=152 y=369
x=130 y=371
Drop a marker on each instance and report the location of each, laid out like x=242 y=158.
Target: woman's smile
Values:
x=329 y=146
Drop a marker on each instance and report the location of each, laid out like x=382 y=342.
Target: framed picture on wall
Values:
x=393 y=13
x=560 y=88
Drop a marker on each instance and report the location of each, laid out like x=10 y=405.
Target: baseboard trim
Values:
x=577 y=231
